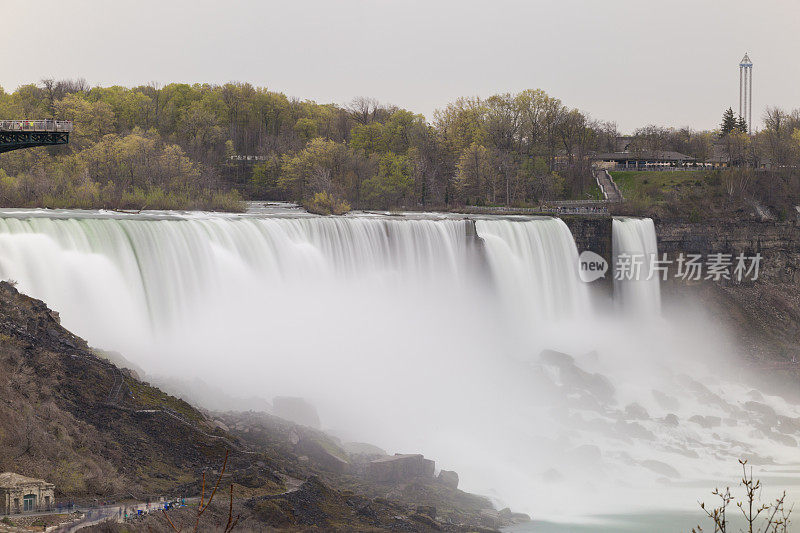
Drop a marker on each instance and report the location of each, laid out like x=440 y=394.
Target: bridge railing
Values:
x=36 y=125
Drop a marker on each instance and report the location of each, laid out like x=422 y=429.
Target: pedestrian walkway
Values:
x=606 y=183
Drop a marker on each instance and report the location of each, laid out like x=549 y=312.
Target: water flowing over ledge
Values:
x=417 y=334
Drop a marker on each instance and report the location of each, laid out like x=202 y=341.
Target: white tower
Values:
x=746 y=91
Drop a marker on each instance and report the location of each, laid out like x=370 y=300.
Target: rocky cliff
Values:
x=100 y=433
x=763 y=314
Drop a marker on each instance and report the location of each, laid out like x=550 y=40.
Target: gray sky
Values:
x=672 y=62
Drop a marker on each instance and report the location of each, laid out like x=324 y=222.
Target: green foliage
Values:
x=473 y=170
x=306 y=128
x=313 y=169
x=393 y=183
x=324 y=203
x=368 y=139
x=741 y=125
x=167 y=145
x=264 y=178
x=728 y=122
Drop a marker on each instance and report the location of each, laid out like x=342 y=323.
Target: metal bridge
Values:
x=16 y=134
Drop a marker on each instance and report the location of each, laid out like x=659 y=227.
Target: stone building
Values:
x=20 y=494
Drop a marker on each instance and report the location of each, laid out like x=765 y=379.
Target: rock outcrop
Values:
x=448 y=478
x=400 y=467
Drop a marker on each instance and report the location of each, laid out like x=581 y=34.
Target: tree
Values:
x=319 y=167
x=728 y=122
x=393 y=183
x=368 y=139
x=741 y=125
x=474 y=169
x=306 y=128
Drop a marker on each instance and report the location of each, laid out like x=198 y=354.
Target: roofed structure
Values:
x=642 y=159
x=22 y=494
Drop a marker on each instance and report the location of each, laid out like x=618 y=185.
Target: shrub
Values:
x=774 y=515
x=324 y=203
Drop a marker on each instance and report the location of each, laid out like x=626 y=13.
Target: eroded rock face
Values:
x=325 y=458
x=400 y=467
x=448 y=478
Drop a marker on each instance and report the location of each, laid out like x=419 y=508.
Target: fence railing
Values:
x=36 y=125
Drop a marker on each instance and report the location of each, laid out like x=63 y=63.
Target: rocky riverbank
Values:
x=100 y=433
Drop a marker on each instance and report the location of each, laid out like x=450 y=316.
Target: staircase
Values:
x=610 y=190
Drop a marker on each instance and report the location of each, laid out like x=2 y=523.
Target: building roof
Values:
x=12 y=480
x=644 y=155
x=746 y=61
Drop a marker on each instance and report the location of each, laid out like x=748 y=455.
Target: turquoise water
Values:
x=655 y=522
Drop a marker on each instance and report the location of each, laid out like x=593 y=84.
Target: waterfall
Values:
x=402 y=336
x=534 y=264
x=115 y=277
x=635 y=253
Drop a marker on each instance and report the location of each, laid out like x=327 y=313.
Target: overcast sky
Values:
x=672 y=62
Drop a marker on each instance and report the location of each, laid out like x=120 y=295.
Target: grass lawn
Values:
x=594 y=191
x=658 y=184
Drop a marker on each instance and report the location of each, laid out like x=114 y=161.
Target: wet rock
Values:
x=448 y=478
x=686 y=452
x=765 y=412
x=361 y=453
x=508 y=517
x=666 y=402
x=362 y=448
x=324 y=454
x=706 y=422
x=786 y=440
x=634 y=411
x=755 y=395
x=489 y=518
x=634 y=430
x=400 y=467
x=788 y=424
x=704 y=394
x=661 y=468
x=587 y=455
x=574 y=378
x=296 y=410
x=671 y=420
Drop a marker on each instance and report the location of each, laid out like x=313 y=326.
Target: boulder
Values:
x=323 y=454
x=665 y=401
x=706 y=422
x=661 y=468
x=489 y=518
x=399 y=468
x=448 y=478
x=360 y=452
x=634 y=411
x=671 y=420
x=296 y=410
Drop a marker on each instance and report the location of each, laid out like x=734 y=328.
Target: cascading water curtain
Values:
x=637 y=287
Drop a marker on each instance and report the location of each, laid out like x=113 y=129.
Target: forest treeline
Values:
x=172 y=146
x=176 y=146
